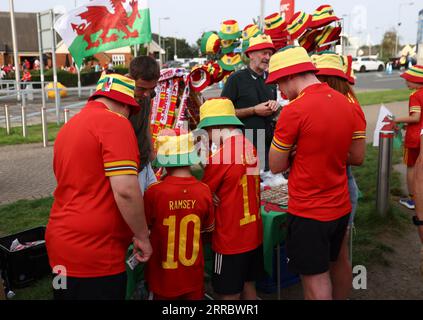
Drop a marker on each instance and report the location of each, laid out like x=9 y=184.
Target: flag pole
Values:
x=15 y=49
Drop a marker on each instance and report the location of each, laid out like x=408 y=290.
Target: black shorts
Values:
x=233 y=270
x=101 y=288
x=311 y=245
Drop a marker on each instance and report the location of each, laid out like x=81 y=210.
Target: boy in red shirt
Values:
x=414 y=79
x=233 y=175
x=178 y=209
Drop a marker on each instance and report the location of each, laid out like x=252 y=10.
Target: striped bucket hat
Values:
x=229 y=30
x=250 y=31
x=349 y=71
x=329 y=63
x=230 y=61
x=175 y=148
x=414 y=74
x=299 y=24
x=210 y=43
x=118 y=88
x=308 y=40
x=228 y=46
x=289 y=61
x=218 y=112
x=327 y=37
x=323 y=16
x=274 y=23
x=199 y=78
x=261 y=42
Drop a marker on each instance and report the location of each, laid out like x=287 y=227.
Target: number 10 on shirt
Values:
x=170 y=222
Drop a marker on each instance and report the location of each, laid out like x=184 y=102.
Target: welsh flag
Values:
x=103 y=25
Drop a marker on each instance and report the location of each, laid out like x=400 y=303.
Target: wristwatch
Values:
x=417 y=222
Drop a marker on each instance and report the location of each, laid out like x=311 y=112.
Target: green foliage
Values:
x=34 y=134
x=385 y=96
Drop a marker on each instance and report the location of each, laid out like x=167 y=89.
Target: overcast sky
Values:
x=189 y=18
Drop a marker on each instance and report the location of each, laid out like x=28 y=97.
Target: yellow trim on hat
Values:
x=288 y=58
x=260 y=39
x=175 y=145
x=328 y=61
x=120 y=83
x=217 y=108
x=274 y=22
x=294 y=26
x=229 y=28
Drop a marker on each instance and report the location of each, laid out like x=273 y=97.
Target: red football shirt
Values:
x=177 y=210
x=322 y=124
x=86 y=232
x=412 y=136
x=232 y=173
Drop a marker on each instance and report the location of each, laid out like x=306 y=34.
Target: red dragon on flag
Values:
x=103 y=25
x=97 y=15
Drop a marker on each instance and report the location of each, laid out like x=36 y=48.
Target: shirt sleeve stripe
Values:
x=120 y=163
x=280 y=143
x=208 y=228
x=279 y=149
x=121 y=173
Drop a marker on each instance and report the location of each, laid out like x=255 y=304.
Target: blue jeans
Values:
x=353 y=189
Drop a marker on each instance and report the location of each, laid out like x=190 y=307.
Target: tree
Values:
x=183 y=48
x=388 y=44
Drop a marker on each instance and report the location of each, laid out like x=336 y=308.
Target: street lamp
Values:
x=160 y=42
x=399 y=23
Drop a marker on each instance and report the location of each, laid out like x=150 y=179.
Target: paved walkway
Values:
x=26 y=172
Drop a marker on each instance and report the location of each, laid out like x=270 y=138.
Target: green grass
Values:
x=20 y=216
x=368 y=248
x=34 y=134
x=385 y=96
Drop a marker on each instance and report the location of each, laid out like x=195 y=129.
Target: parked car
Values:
x=367 y=63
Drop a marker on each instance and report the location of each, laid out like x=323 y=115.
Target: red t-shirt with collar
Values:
x=412 y=136
x=322 y=123
x=177 y=210
x=232 y=173
x=86 y=232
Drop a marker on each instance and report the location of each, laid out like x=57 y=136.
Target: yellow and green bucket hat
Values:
x=414 y=74
x=323 y=16
x=175 y=148
x=229 y=30
x=118 y=88
x=230 y=61
x=299 y=24
x=329 y=63
x=218 y=112
x=250 y=31
x=210 y=43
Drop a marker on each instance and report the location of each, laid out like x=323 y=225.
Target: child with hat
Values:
x=414 y=80
x=232 y=175
x=178 y=209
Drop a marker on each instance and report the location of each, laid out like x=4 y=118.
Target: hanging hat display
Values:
x=210 y=43
x=228 y=46
x=328 y=36
x=250 y=31
x=229 y=30
x=275 y=27
x=299 y=24
x=308 y=40
x=199 y=78
x=323 y=16
x=230 y=61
